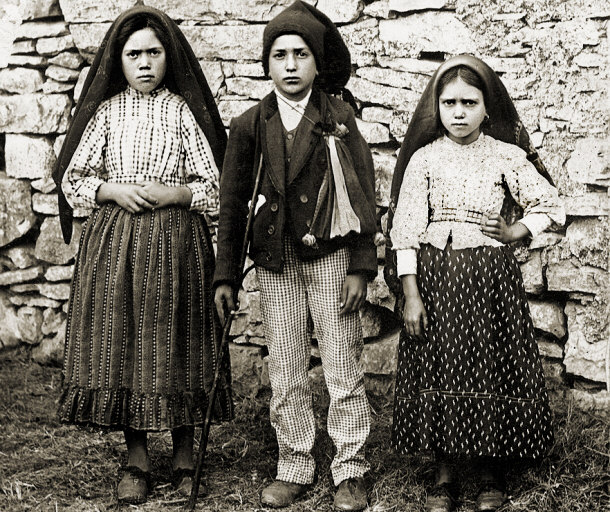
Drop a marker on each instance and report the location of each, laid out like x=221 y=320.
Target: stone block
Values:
x=84 y=11
x=592 y=204
x=21 y=256
x=221 y=10
x=384 y=170
x=31 y=61
x=45 y=204
x=42 y=29
x=373 y=133
x=378 y=292
x=376 y=94
x=585 y=350
x=249 y=88
x=16 y=215
x=34 y=301
x=78 y=88
x=371 y=320
x=549 y=349
x=548 y=317
x=377 y=115
x=554 y=374
x=61 y=74
x=56 y=291
x=380 y=356
x=425 y=32
x=340 y=11
x=50 y=46
x=227 y=42
x=45 y=185
x=394 y=78
x=532 y=274
x=20 y=276
x=30 y=324
x=567 y=276
x=28 y=156
x=545 y=239
x=232 y=108
x=588 y=240
x=248 y=319
x=71 y=60
x=409 y=65
x=362 y=39
x=407 y=6
x=590 y=162
x=36 y=9
x=50 y=246
x=52 y=321
x=50 y=351
x=24 y=46
x=34 y=113
x=249 y=69
x=20 y=80
x=590 y=60
x=596 y=403
x=212 y=71
x=52 y=87
x=59 y=273
x=10 y=336
x=377 y=9
x=246 y=369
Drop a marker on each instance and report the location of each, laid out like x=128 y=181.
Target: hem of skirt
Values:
x=117 y=409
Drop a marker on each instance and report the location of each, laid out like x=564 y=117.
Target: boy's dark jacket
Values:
x=290 y=193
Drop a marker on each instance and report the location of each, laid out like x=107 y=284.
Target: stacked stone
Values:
x=551 y=56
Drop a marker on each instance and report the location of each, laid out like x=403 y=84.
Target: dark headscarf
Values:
x=322 y=36
x=503 y=124
x=183 y=76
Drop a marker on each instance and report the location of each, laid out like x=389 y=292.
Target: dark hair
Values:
x=132 y=25
x=466 y=74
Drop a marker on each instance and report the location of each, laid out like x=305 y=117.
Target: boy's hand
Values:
x=353 y=293
x=223 y=298
x=494 y=226
x=128 y=196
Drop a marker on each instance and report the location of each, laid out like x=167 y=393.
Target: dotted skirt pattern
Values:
x=141 y=344
x=475 y=386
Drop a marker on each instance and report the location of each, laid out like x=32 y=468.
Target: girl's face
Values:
x=462 y=110
x=292 y=66
x=143 y=60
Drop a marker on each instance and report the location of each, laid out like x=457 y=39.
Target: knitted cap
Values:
x=296 y=19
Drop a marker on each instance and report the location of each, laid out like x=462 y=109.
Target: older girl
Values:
x=469 y=383
x=143 y=152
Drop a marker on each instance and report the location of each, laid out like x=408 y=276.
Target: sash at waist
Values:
x=456 y=215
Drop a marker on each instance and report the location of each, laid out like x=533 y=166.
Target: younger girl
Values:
x=143 y=151
x=469 y=382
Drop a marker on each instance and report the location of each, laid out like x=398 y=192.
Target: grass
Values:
x=46 y=466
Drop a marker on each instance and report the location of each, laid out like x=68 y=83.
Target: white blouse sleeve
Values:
x=201 y=172
x=538 y=198
x=86 y=171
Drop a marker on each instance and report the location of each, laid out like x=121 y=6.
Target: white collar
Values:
x=291 y=112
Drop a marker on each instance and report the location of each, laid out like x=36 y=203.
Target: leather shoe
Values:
x=491 y=497
x=351 y=495
x=183 y=482
x=133 y=487
x=442 y=498
x=281 y=494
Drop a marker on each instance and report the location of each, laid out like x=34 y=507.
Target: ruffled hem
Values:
x=117 y=409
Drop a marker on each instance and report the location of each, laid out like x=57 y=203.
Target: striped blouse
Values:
x=135 y=137
x=449 y=188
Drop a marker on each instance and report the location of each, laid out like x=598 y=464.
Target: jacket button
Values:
x=274 y=207
x=271 y=229
x=289 y=136
x=304 y=198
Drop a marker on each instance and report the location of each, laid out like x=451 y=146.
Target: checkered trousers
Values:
x=312 y=289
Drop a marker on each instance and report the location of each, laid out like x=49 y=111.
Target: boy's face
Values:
x=292 y=66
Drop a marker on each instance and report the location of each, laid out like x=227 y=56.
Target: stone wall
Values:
x=552 y=56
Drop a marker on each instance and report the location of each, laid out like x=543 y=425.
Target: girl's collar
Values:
x=139 y=94
x=478 y=141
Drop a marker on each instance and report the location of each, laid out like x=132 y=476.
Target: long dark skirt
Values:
x=140 y=338
x=475 y=386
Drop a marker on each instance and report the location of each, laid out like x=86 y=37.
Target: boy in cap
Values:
x=312 y=244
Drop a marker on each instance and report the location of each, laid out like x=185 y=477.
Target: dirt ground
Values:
x=46 y=466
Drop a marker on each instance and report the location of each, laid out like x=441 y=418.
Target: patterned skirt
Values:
x=141 y=344
x=475 y=386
